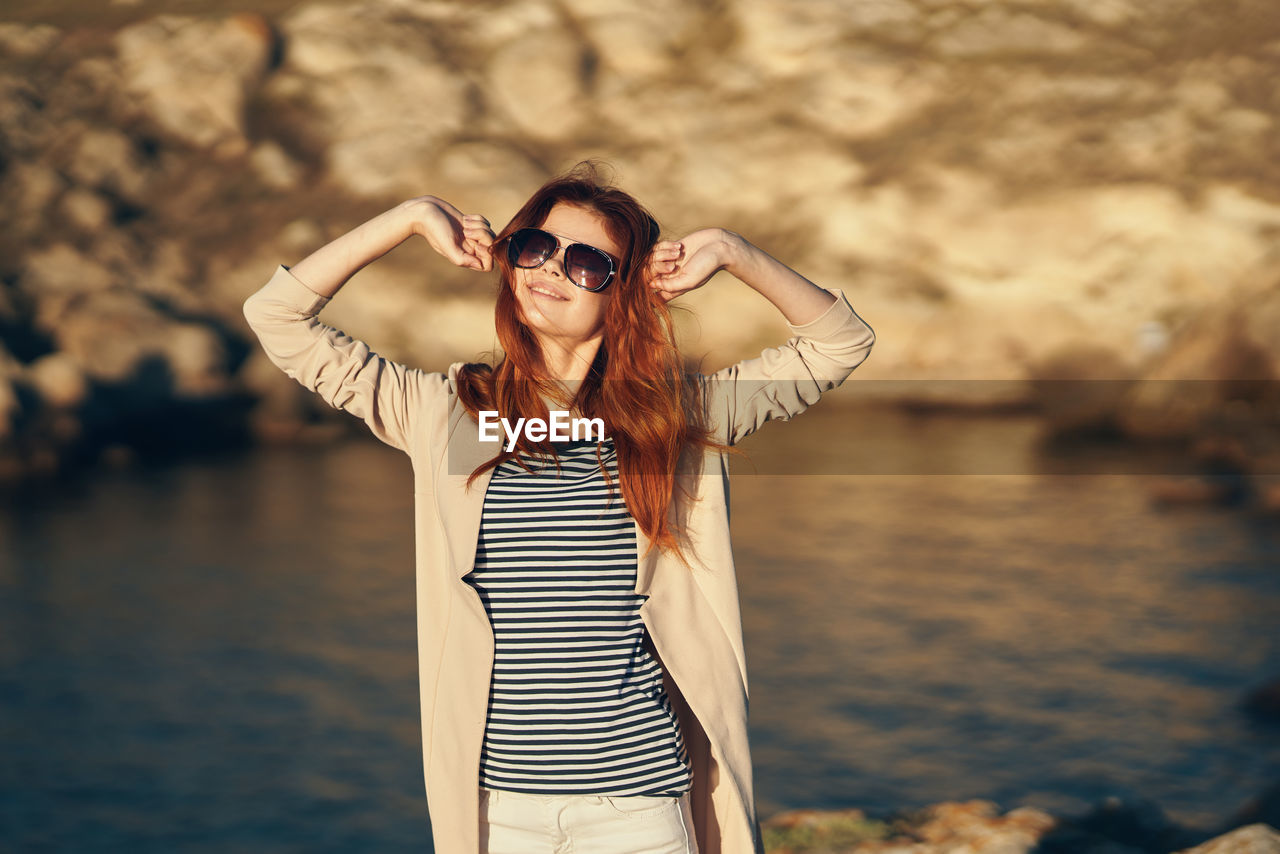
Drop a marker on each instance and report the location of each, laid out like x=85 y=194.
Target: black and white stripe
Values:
x=576 y=704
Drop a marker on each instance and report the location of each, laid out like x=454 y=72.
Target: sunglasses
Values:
x=586 y=266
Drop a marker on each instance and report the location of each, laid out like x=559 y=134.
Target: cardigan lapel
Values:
x=461 y=507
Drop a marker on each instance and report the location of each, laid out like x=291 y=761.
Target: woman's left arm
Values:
x=830 y=339
x=684 y=265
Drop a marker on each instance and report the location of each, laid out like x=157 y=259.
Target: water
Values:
x=221 y=655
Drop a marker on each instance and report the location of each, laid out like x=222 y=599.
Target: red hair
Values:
x=637 y=383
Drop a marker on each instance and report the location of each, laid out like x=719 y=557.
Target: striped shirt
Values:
x=576 y=703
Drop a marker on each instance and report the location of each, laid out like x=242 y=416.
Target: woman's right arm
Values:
x=342 y=370
x=463 y=239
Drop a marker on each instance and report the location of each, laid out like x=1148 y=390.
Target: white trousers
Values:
x=515 y=823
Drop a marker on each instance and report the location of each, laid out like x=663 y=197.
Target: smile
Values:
x=545 y=292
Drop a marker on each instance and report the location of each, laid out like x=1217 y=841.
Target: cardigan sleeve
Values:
x=348 y=375
x=784 y=381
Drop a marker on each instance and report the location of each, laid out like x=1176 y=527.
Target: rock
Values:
x=1202 y=97
x=86 y=210
x=637 y=40
x=192 y=76
x=996 y=33
x=24 y=123
x=980 y=821
x=868 y=95
x=975 y=826
x=1107 y=13
x=1217 y=374
x=1105 y=261
x=997 y=185
x=58 y=380
x=302 y=237
x=673 y=120
x=27 y=41
x=106 y=159
x=1154 y=145
x=10 y=409
x=786 y=38
x=538 y=81
x=60 y=271
x=1254 y=839
x=274 y=167
x=897 y=20
x=63 y=428
x=466 y=173
x=1264 y=701
x=31 y=189
x=1079 y=388
x=1264 y=809
x=518 y=19
x=117 y=337
x=10 y=402
x=826 y=829
x=109 y=333
x=373 y=87
x=198 y=358
x=90 y=89
x=1139 y=824
x=758 y=171
x=168 y=275
x=285 y=411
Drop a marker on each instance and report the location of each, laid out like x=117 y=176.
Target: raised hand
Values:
x=465 y=239
x=679 y=266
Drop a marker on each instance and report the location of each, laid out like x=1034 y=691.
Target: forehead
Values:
x=580 y=225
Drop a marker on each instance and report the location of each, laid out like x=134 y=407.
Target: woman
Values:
x=581 y=664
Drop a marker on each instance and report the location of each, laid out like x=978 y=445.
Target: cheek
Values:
x=597 y=310
x=519 y=286
x=518 y=295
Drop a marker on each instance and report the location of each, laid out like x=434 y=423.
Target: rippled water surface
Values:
x=221 y=655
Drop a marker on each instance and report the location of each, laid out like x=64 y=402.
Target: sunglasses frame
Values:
x=511 y=252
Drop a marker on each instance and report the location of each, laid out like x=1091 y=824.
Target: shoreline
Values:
x=1114 y=826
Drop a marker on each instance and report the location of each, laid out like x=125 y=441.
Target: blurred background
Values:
x=1028 y=553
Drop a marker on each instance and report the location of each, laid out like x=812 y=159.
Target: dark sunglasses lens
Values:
x=530 y=247
x=587 y=267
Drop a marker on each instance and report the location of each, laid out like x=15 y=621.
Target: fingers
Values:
x=477 y=227
x=481 y=254
x=673 y=277
x=665 y=258
x=478 y=243
x=667 y=252
x=478 y=238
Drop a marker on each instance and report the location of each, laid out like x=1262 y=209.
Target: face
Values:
x=553 y=307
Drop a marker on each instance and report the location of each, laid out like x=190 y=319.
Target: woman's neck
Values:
x=568 y=365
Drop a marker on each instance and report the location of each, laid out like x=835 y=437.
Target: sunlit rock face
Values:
x=994 y=186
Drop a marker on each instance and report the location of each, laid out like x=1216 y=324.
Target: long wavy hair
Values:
x=636 y=384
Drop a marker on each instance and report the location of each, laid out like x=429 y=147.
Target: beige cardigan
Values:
x=692 y=616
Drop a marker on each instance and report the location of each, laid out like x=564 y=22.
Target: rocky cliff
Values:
x=1006 y=189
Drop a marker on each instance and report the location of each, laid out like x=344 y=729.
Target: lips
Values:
x=547 y=291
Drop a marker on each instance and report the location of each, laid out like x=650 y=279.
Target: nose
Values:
x=555 y=263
